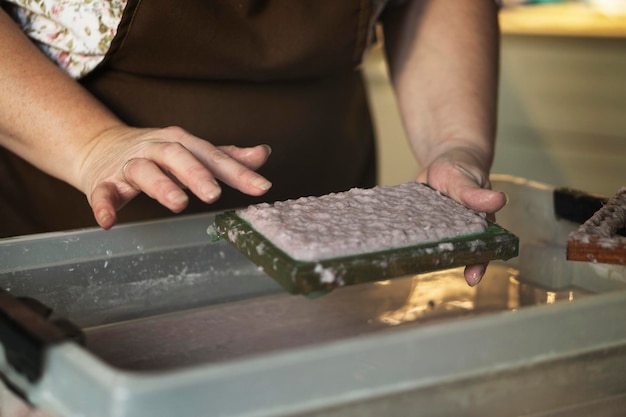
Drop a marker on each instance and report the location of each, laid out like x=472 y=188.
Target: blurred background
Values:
x=562 y=104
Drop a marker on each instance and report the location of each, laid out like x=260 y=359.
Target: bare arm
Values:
x=443 y=58
x=39 y=105
x=48 y=119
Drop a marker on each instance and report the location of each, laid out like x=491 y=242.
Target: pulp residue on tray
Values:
x=361 y=221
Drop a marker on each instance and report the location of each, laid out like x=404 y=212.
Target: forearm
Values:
x=443 y=58
x=46 y=117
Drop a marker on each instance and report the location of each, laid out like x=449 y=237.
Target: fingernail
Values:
x=104 y=218
x=474 y=274
x=210 y=190
x=506 y=197
x=214 y=195
x=474 y=280
x=177 y=197
x=269 y=149
x=260 y=183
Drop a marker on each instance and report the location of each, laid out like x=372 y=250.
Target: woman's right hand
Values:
x=123 y=161
x=51 y=121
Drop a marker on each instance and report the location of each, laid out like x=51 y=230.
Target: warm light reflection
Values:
x=433 y=294
x=445 y=294
x=513 y=301
x=385 y=282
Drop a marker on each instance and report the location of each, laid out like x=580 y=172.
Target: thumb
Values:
x=459 y=184
x=481 y=199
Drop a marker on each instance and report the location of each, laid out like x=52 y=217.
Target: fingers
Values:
x=162 y=163
x=153 y=175
x=474 y=273
x=253 y=158
x=143 y=174
x=234 y=173
x=170 y=165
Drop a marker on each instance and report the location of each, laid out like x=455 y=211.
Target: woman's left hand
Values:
x=460 y=173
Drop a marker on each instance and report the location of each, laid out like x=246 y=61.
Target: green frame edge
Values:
x=305 y=277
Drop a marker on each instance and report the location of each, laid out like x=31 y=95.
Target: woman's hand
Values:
x=461 y=174
x=51 y=121
x=123 y=161
x=446 y=84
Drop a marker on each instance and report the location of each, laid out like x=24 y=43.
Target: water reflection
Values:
x=433 y=295
x=283 y=321
x=445 y=294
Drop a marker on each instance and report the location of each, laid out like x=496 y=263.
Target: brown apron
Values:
x=280 y=72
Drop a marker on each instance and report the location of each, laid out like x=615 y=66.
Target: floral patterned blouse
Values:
x=76 y=34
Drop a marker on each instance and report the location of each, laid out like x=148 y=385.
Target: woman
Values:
x=178 y=85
